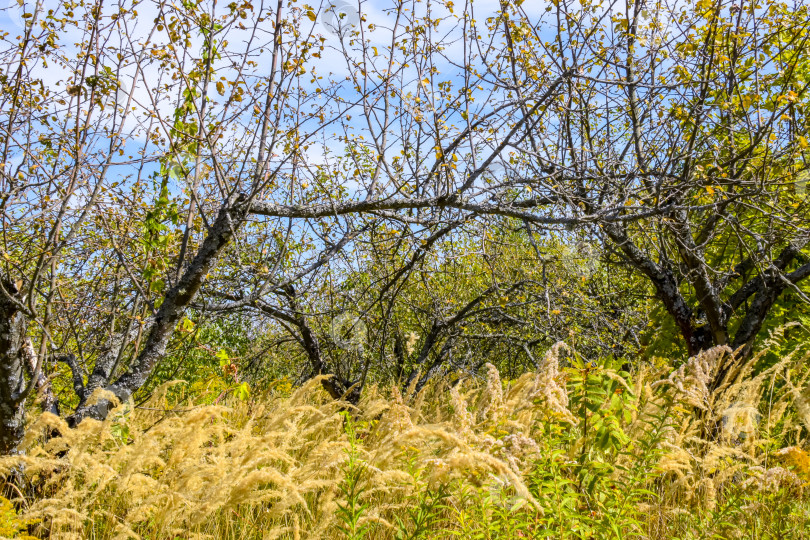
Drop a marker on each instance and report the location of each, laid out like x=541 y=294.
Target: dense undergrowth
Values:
x=572 y=450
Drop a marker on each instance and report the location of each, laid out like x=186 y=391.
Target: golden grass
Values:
x=529 y=455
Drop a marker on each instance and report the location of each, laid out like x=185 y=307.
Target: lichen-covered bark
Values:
x=12 y=373
x=177 y=299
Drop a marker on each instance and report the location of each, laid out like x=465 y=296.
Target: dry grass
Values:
x=540 y=456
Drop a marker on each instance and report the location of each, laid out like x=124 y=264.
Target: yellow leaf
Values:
x=220 y=88
x=311 y=15
x=803 y=141
x=710 y=190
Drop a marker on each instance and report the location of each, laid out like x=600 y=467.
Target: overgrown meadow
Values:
x=575 y=449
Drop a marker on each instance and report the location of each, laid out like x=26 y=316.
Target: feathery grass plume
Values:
x=463 y=419
x=707 y=491
x=410 y=343
x=692 y=379
x=491 y=403
x=802 y=407
x=398 y=416
x=778 y=478
x=740 y=422
x=545 y=387
x=412 y=385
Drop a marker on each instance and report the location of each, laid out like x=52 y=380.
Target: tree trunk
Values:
x=12 y=372
x=230 y=219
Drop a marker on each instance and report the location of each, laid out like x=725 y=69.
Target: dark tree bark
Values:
x=334 y=385
x=230 y=218
x=750 y=303
x=13 y=325
x=446 y=328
